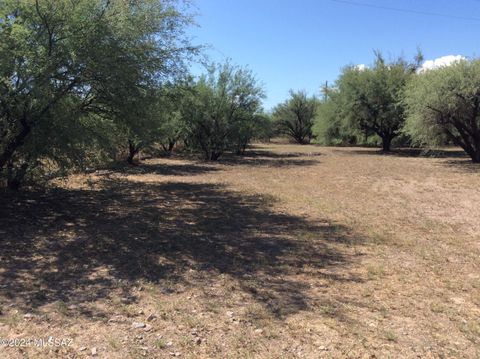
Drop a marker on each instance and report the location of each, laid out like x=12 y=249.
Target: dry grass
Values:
x=289 y=252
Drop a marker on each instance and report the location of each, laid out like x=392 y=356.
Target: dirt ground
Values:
x=289 y=252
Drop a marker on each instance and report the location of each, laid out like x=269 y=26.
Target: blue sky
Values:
x=301 y=44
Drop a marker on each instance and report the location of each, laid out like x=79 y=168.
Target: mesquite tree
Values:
x=223 y=107
x=372 y=97
x=295 y=117
x=67 y=71
x=444 y=104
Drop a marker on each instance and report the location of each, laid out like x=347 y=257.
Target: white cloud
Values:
x=440 y=62
x=361 y=67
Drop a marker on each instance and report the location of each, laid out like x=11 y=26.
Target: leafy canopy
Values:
x=444 y=104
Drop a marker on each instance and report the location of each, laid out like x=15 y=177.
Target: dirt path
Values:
x=291 y=251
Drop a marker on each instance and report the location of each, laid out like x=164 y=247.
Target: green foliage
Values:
x=369 y=101
x=74 y=75
x=330 y=127
x=444 y=104
x=264 y=128
x=168 y=125
x=223 y=111
x=295 y=117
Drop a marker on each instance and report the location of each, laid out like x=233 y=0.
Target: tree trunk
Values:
x=132 y=151
x=476 y=150
x=215 y=155
x=475 y=155
x=16 y=177
x=386 y=143
x=14 y=144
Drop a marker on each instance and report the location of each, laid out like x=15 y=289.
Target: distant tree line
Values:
x=395 y=102
x=86 y=82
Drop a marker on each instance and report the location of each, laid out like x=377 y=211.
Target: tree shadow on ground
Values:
x=465 y=165
x=78 y=245
x=265 y=158
x=163 y=169
x=412 y=152
x=455 y=158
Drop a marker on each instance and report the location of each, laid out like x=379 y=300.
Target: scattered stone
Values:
x=137 y=325
x=169 y=344
x=94 y=351
x=140 y=312
x=258 y=331
x=458 y=300
x=82 y=349
x=147 y=328
x=73 y=307
x=117 y=319
x=198 y=341
x=28 y=316
x=230 y=314
x=151 y=317
x=321 y=347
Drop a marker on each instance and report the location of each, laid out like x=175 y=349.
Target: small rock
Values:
x=198 y=341
x=151 y=317
x=230 y=314
x=258 y=331
x=117 y=319
x=147 y=328
x=321 y=347
x=28 y=316
x=169 y=344
x=94 y=351
x=140 y=312
x=82 y=349
x=137 y=325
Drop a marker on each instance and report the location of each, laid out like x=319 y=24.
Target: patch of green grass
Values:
x=384 y=311
x=11 y=320
x=390 y=336
x=328 y=309
x=160 y=343
x=113 y=342
x=375 y=272
x=438 y=307
x=61 y=308
x=471 y=329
